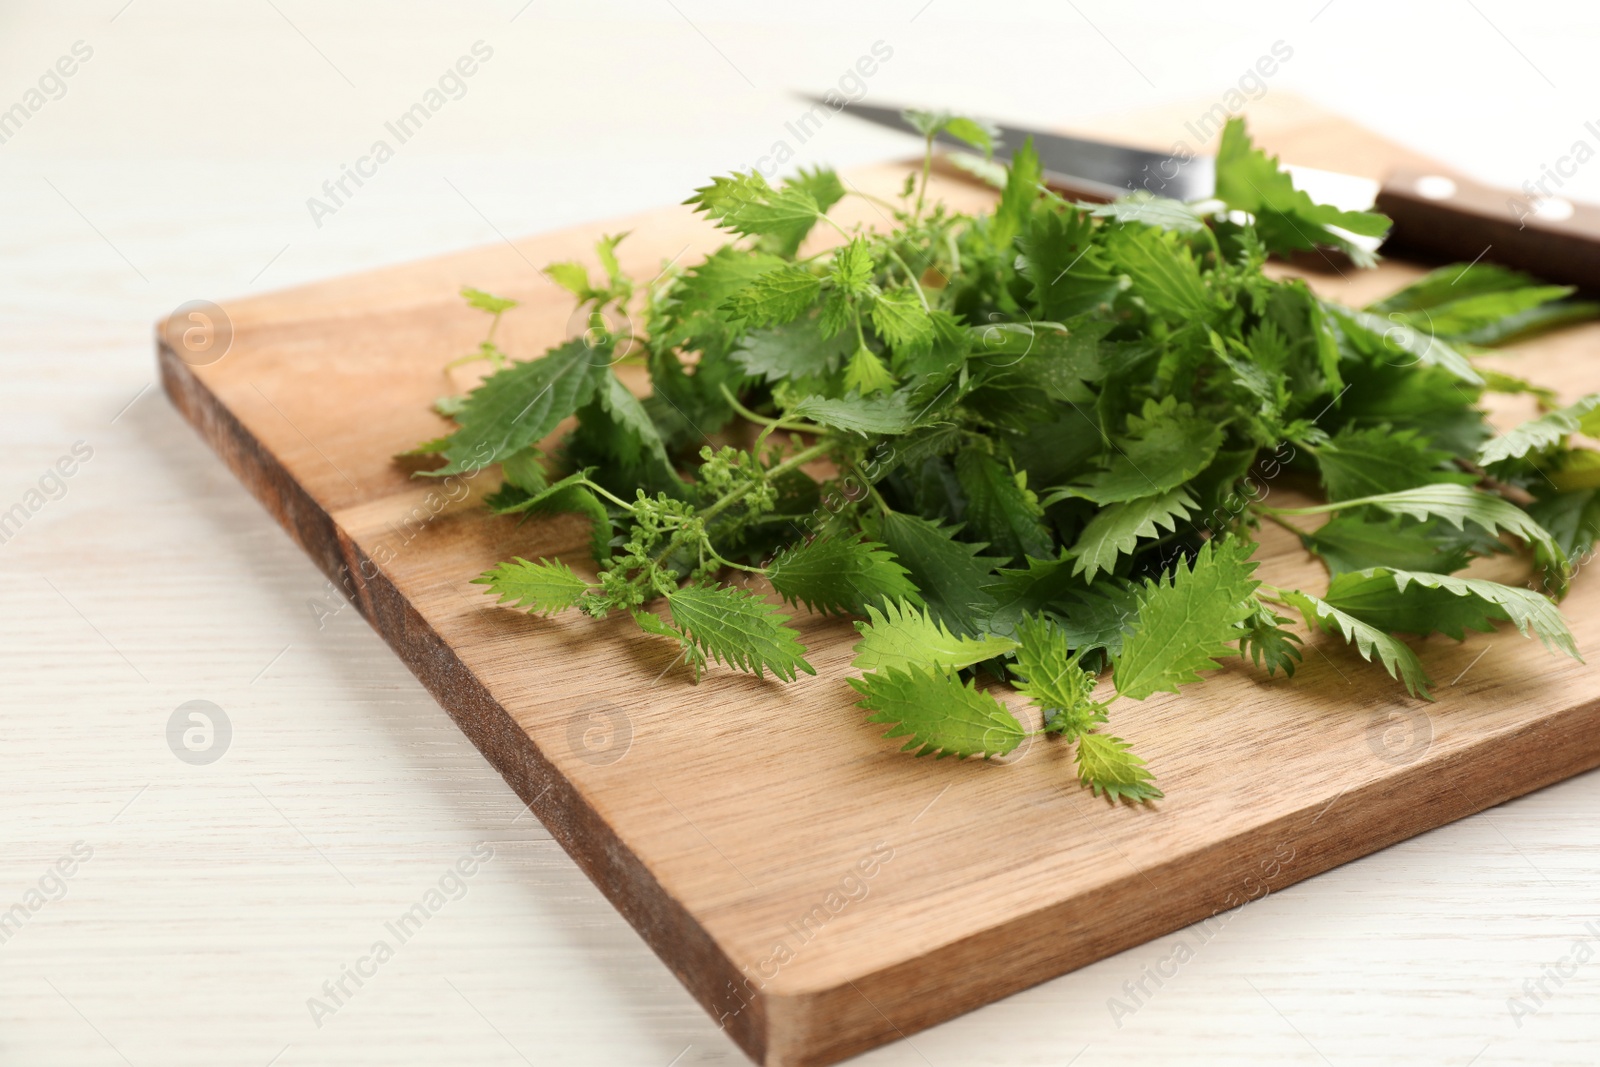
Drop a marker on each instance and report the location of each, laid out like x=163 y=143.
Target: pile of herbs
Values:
x=1032 y=446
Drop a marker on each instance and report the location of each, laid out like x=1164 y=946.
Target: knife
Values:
x=1436 y=215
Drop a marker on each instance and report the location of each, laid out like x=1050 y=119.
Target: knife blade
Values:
x=1436 y=215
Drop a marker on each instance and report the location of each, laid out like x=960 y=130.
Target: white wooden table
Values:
x=167 y=911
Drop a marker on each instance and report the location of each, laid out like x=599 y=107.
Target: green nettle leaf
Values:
x=938 y=713
x=1143 y=207
x=1483 y=304
x=1410 y=396
x=544 y=587
x=654 y=624
x=793 y=350
x=1166 y=445
x=979 y=135
x=902 y=321
x=522 y=404
x=578 y=500
x=567 y=496
x=852 y=267
x=1408 y=602
x=736 y=627
x=777 y=296
x=693 y=316
x=841 y=574
x=1397 y=659
x=1108 y=767
x=1286 y=218
x=866 y=373
x=746 y=204
x=1368 y=462
x=631 y=418
x=1267 y=644
x=573 y=277
x=1543 y=433
x=1064 y=359
x=1115 y=530
x=428 y=448
x=857 y=414
x=949 y=574
x=606 y=250
x=1186 y=623
x=1070 y=273
x=822 y=184
x=1163 y=270
x=1573 y=519
x=1023 y=184
x=1452 y=283
x=1000 y=509
x=899 y=635
x=1573 y=471
x=1398 y=342
x=1089 y=618
x=1357 y=541
x=525 y=470
x=1457 y=505
x=494 y=305
x=1049 y=674
x=521 y=499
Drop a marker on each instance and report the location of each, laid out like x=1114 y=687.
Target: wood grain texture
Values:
x=738 y=825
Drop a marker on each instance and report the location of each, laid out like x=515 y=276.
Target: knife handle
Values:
x=1448 y=216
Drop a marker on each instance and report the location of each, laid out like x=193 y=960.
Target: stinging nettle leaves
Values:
x=1109 y=768
x=1267 y=644
x=1166 y=445
x=950 y=575
x=746 y=204
x=1187 y=621
x=1409 y=602
x=1117 y=528
x=1459 y=505
x=857 y=414
x=900 y=635
x=521 y=405
x=841 y=575
x=1378 y=459
x=794 y=350
x=778 y=296
x=1000 y=509
x=736 y=627
x=940 y=714
x=1396 y=657
x=1051 y=675
x=1033 y=445
x=1359 y=540
x=1545 y=432
x=543 y=588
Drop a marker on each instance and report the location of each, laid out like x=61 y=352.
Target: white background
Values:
x=218 y=898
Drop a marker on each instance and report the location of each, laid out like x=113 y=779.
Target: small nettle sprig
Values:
x=1030 y=448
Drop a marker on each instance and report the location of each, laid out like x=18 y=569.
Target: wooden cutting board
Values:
x=819 y=892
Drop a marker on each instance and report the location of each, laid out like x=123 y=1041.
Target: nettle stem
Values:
x=1268 y=513
x=1319 y=509
x=927 y=167
x=1268 y=591
x=603 y=491
x=910 y=277
x=769 y=424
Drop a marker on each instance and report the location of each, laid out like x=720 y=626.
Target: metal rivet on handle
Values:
x=1554 y=208
x=1436 y=187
